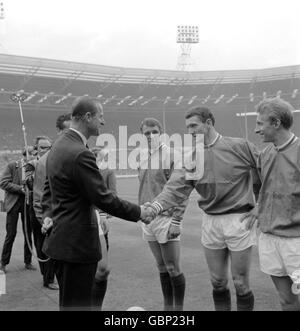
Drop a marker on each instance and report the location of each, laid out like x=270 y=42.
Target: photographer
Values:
x=13 y=183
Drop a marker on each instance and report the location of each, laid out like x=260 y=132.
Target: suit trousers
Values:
x=75 y=282
x=47 y=268
x=11 y=232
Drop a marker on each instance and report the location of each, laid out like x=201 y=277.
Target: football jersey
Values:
x=279 y=198
x=229 y=179
x=153 y=178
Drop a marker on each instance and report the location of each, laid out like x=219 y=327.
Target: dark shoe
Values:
x=52 y=286
x=29 y=266
x=2 y=268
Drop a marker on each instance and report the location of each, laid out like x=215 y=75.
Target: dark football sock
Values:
x=178 y=284
x=245 y=302
x=222 y=300
x=98 y=293
x=167 y=290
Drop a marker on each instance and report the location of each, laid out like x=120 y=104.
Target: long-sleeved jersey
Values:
x=228 y=183
x=152 y=181
x=279 y=198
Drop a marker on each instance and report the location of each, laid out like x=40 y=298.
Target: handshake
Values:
x=148 y=213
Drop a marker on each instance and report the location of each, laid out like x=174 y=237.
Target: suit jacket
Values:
x=74 y=186
x=110 y=180
x=35 y=173
x=35 y=179
x=11 y=183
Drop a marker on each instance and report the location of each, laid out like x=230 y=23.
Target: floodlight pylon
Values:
x=186 y=36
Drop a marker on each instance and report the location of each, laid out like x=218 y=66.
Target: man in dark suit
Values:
x=74 y=187
x=12 y=182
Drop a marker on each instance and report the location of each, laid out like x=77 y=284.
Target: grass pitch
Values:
x=134 y=279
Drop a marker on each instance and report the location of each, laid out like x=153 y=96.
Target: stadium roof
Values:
x=29 y=66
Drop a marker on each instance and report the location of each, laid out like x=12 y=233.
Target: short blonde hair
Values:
x=277 y=109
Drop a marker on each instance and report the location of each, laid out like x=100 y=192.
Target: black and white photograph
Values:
x=149 y=158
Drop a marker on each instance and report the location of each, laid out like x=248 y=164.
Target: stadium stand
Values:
x=129 y=95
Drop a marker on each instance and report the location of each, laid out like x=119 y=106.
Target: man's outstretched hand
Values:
x=148 y=213
x=47 y=225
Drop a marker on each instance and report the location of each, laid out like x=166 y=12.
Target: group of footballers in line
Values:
x=241 y=189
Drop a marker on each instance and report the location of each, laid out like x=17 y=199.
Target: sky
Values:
x=234 y=34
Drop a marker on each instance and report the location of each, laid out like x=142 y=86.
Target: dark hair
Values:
x=61 y=119
x=277 y=109
x=202 y=113
x=83 y=105
x=150 y=121
x=38 y=138
x=31 y=150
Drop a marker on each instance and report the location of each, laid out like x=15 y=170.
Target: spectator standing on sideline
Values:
x=13 y=183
